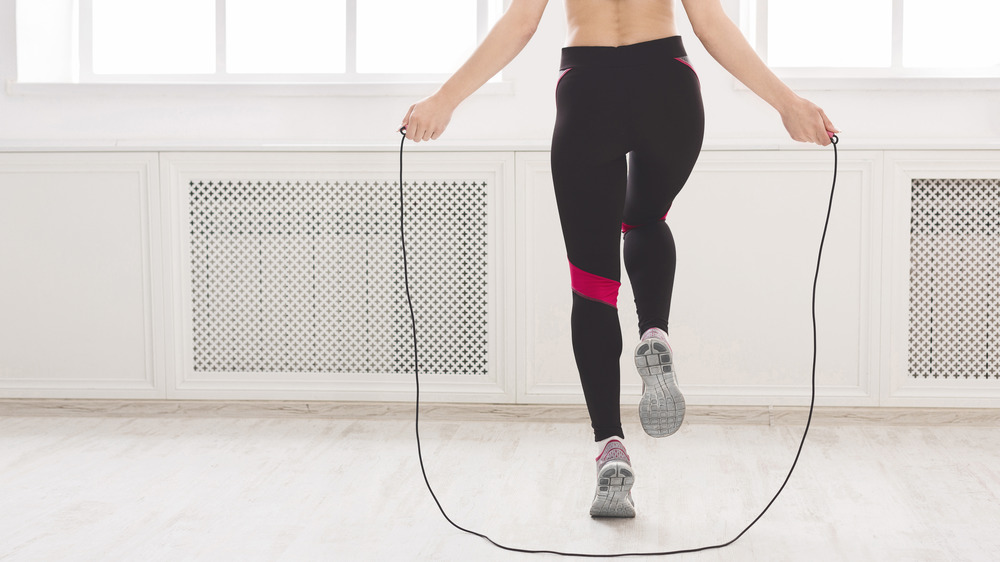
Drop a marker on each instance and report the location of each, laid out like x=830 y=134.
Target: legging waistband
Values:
x=636 y=54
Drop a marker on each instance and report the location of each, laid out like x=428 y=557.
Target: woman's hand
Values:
x=806 y=122
x=428 y=118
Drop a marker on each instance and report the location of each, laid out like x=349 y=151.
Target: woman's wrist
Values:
x=787 y=102
x=447 y=97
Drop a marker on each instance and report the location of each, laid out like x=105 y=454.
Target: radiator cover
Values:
x=954 y=242
x=306 y=276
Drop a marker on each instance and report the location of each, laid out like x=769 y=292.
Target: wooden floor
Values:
x=279 y=488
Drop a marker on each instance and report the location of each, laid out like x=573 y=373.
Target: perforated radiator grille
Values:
x=954 y=242
x=299 y=276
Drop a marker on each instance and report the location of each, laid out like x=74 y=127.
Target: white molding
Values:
x=150 y=382
x=526 y=205
x=900 y=389
x=381 y=410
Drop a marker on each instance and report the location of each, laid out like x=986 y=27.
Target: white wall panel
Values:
x=747 y=227
x=78 y=285
x=546 y=368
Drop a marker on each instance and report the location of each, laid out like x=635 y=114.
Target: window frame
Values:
x=753 y=22
x=350 y=77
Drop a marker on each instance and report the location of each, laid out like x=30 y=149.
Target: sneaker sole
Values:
x=613 y=486
x=661 y=409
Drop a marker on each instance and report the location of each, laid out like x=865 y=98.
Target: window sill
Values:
x=814 y=81
x=402 y=89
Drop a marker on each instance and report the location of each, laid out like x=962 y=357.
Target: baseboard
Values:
x=736 y=415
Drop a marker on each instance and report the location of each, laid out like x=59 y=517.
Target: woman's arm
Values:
x=428 y=118
x=804 y=120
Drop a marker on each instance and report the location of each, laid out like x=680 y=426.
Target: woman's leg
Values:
x=589 y=176
x=589 y=211
x=650 y=259
x=668 y=143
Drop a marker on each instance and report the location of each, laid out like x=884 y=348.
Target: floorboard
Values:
x=283 y=488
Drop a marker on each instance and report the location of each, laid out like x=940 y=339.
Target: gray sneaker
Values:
x=614 y=483
x=661 y=409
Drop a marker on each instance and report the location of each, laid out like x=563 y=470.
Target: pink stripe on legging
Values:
x=561 y=77
x=682 y=61
x=594 y=287
x=628 y=227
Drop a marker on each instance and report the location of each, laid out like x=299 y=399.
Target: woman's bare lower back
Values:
x=618 y=22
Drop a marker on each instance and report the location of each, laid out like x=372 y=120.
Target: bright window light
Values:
x=820 y=33
x=291 y=36
x=154 y=37
x=227 y=41
x=952 y=34
x=410 y=37
x=46 y=40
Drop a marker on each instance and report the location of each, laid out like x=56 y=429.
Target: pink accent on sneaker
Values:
x=614 y=450
x=615 y=478
x=654 y=333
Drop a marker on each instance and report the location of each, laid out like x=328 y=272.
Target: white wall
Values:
x=88 y=139
x=123 y=115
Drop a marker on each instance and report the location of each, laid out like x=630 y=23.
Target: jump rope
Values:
x=416 y=377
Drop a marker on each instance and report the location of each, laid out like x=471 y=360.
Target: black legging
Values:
x=644 y=101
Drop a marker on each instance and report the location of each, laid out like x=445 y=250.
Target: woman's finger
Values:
x=406 y=122
x=827 y=123
x=820 y=128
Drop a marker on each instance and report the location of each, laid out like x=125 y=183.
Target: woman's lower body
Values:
x=628 y=132
x=629 y=129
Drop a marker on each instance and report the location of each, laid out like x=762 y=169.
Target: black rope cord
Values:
x=416 y=377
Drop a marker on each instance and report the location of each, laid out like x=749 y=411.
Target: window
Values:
x=260 y=41
x=882 y=38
